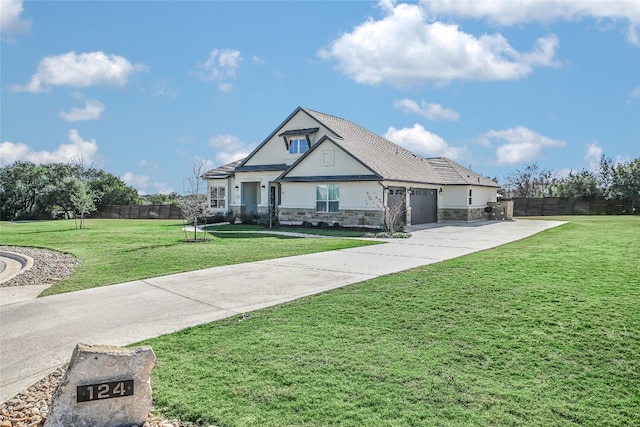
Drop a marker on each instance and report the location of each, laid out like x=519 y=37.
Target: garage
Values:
x=424 y=205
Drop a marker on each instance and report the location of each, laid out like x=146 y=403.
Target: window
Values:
x=470 y=192
x=327 y=197
x=217 y=197
x=298 y=146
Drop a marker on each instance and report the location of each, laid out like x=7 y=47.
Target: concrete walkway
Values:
x=37 y=336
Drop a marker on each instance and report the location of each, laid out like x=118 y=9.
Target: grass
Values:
x=543 y=331
x=115 y=251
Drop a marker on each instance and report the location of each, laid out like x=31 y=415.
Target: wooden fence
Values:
x=566 y=206
x=138 y=212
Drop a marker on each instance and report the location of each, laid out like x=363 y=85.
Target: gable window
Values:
x=298 y=146
x=217 y=199
x=327 y=197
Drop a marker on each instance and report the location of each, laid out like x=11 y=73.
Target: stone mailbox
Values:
x=104 y=386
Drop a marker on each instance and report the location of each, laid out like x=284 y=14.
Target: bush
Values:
x=215 y=219
x=248 y=218
x=306 y=224
x=322 y=225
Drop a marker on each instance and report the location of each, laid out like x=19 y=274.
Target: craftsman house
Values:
x=316 y=167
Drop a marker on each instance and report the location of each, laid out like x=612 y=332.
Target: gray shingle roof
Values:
x=223 y=171
x=394 y=162
x=386 y=159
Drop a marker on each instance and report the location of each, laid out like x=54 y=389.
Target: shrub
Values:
x=323 y=225
x=248 y=218
x=306 y=224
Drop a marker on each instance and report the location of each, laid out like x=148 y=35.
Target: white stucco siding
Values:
x=274 y=151
x=457 y=196
x=262 y=178
x=363 y=195
x=328 y=160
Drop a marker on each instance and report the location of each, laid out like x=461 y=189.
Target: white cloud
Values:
x=10 y=19
x=137 y=181
x=430 y=111
x=225 y=87
x=220 y=65
x=76 y=149
x=80 y=70
x=522 y=145
x=92 y=110
x=592 y=156
x=228 y=148
x=402 y=49
x=162 y=188
x=420 y=141
x=508 y=12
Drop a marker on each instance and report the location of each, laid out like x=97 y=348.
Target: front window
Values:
x=217 y=197
x=298 y=146
x=327 y=197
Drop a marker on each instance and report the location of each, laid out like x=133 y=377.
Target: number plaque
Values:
x=89 y=392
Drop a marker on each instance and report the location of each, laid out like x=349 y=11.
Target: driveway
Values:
x=38 y=335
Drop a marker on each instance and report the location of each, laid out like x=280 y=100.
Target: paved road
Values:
x=38 y=335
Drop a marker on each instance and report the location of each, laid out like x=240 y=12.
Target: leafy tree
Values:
x=111 y=190
x=82 y=198
x=626 y=181
x=580 y=184
x=160 y=199
x=20 y=188
x=532 y=181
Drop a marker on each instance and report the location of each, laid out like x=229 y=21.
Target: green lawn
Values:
x=540 y=332
x=114 y=251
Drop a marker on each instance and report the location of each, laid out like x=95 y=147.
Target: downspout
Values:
x=384 y=204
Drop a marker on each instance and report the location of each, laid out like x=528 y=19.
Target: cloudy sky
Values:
x=142 y=88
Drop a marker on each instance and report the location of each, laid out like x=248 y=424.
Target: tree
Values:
x=21 y=187
x=111 y=190
x=82 y=198
x=194 y=203
x=626 y=182
x=582 y=184
x=532 y=181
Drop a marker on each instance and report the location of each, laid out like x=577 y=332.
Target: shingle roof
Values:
x=394 y=162
x=223 y=171
x=386 y=159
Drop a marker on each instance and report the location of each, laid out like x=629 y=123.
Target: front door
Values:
x=250 y=196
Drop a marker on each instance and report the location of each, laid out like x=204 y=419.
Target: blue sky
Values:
x=143 y=88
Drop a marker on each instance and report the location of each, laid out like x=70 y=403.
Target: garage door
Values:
x=424 y=206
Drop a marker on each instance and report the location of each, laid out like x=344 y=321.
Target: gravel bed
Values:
x=48 y=266
x=30 y=407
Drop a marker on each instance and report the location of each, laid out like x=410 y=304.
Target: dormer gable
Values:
x=294 y=137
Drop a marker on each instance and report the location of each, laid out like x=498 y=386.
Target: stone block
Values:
x=104 y=386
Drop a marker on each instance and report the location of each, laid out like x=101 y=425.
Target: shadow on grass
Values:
x=231 y=235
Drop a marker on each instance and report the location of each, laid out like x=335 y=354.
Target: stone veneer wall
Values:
x=345 y=217
x=449 y=214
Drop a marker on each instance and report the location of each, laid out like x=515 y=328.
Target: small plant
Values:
x=322 y=225
x=248 y=218
x=306 y=224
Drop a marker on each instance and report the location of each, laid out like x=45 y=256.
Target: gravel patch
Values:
x=48 y=266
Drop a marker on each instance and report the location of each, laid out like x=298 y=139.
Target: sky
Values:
x=143 y=89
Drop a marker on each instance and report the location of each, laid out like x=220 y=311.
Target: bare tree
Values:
x=193 y=202
x=532 y=181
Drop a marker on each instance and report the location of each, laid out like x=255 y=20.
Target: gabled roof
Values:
x=391 y=161
x=223 y=171
x=384 y=158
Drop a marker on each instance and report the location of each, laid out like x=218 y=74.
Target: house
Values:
x=316 y=167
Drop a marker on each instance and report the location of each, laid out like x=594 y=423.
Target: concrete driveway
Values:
x=38 y=335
